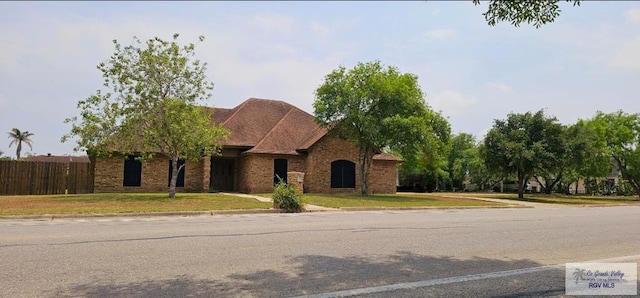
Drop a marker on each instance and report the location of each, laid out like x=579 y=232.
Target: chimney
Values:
x=49 y=154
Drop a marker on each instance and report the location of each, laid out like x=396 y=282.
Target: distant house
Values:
x=58 y=158
x=269 y=138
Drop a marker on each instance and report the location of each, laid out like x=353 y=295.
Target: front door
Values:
x=222 y=172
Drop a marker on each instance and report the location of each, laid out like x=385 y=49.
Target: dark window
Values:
x=279 y=170
x=180 y=182
x=132 y=171
x=343 y=174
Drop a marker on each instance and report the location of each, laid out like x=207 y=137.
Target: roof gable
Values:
x=267 y=126
x=273 y=127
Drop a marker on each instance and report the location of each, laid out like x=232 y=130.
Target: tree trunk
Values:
x=365 y=158
x=544 y=185
x=18 y=149
x=520 y=185
x=174 y=177
x=550 y=187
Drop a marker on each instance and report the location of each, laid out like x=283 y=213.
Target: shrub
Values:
x=284 y=197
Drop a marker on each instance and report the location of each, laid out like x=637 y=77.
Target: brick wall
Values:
x=256 y=171
x=109 y=176
x=382 y=178
x=318 y=175
x=206 y=174
x=194 y=176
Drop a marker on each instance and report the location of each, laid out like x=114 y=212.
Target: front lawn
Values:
x=123 y=203
x=395 y=200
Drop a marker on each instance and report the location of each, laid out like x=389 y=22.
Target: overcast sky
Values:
x=588 y=60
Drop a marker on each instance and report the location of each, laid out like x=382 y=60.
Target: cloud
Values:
x=439 y=34
x=500 y=87
x=450 y=102
x=633 y=15
x=627 y=58
x=272 y=23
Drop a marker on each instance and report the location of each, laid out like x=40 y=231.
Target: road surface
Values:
x=427 y=253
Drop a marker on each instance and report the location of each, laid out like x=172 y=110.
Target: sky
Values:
x=588 y=60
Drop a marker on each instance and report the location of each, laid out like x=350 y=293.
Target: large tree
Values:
x=620 y=132
x=377 y=108
x=149 y=106
x=538 y=12
x=522 y=145
x=585 y=155
x=462 y=152
x=18 y=137
x=427 y=159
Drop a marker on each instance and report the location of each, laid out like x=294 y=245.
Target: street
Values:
x=437 y=253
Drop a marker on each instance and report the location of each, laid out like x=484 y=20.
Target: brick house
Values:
x=269 y=138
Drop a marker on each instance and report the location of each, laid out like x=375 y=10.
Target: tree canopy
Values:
x=536 y=12
x=377 y=108
x=18 y=137
x=460 y=160
x=523 y=144
x=149 y=105
x=620 y=134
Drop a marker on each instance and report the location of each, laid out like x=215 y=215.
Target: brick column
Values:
x=296 y=179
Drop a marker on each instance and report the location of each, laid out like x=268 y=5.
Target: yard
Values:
x=399 y=200
x=123 y=203
x=158 y=202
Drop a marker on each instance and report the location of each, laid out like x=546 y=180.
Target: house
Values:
x=268 y=139
x=58 y=158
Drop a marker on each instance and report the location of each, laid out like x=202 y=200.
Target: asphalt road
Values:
x=428 y=253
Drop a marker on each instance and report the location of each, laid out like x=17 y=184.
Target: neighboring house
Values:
x=58 y=158
x=269 y=138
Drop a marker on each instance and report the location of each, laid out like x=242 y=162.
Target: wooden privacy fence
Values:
x=44 y=178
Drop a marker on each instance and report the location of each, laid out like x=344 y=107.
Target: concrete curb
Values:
x=260 y=211
x=148 y=214
x=230 y=212
x=428 y=208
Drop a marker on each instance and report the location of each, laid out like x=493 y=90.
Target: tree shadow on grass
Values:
x=313 y=274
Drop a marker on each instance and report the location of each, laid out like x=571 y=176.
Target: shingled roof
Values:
x=272 y=126
x=268 y=126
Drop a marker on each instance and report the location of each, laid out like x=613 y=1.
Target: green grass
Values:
x=158 y=202
x=554 y=198
x=397 y=200
x=123 y=203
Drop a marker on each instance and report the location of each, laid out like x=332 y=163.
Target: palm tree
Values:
x=578 y=274
x=18 y=137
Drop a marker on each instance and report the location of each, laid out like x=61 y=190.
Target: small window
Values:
x=132 y=171
x=180 y=182
x=343 y=174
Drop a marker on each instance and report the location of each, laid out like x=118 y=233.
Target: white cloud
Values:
x=439 y=34
x=500 y=87
x=633 y=15
x=451 y=102
x=272 y=23
x=627 y=58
